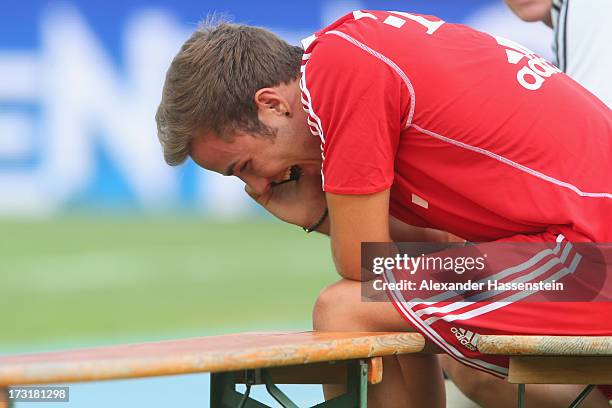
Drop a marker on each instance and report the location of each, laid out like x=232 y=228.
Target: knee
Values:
x=474 y=388
x=479 y=387
x=329 y=312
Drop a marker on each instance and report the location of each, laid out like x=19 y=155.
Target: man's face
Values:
x=531 y=10
x=259 y=161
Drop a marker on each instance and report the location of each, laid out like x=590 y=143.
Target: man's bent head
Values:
x=231 y=101
x=211 y=83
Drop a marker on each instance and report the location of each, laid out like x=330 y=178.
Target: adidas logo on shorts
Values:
x=467 y=338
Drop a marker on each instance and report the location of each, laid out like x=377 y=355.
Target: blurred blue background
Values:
x=80 y=82
x=100 y=241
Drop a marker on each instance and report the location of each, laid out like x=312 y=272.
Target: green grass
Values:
x=99 y=278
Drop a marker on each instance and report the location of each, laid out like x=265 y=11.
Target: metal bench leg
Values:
x=223 y=393
x=356 y=395
x=363 y=384
x=585 y=393
x=356 y=388
x=276 y=392
x=521 y=396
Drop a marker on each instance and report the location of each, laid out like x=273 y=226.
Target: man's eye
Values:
x=244 y=166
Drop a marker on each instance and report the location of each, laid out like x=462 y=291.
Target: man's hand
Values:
x=300 y=202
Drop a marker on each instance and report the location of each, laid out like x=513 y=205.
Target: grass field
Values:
x=83 y=280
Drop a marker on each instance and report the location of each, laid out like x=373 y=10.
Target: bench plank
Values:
x=545 y=345
x=318 y=373
x=315 y=373
x=560 y=370
x=207 y=354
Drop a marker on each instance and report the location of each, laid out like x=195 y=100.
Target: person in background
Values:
x=582 y=36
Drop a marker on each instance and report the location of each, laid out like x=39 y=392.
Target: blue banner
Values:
x=80 y=82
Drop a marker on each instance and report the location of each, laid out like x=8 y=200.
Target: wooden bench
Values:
x=250 y=358
x=553 y=360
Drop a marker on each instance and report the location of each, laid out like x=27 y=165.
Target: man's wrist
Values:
x=317 y=225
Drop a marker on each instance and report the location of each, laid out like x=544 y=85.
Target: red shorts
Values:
x=455 y=322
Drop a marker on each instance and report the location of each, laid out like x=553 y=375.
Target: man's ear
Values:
x=269 y=99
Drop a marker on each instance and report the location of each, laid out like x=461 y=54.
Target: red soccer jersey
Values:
x=474 y=134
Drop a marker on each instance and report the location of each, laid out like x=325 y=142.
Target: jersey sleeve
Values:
x=355 y=102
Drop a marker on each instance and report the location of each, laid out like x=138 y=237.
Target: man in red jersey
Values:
x=421 y=123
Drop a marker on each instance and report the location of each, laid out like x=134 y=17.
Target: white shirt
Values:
x=583 y=43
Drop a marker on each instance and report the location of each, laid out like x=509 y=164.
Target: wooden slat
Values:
x=208 y=354
x=319 y=373
x=316 y=373
x=545 y=345
x=375 y=370
x=560 y=370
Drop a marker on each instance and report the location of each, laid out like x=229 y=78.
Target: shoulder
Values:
x=357 y=37
x=334 y=49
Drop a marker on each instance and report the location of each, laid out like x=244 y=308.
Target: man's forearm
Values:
x=402 y=232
